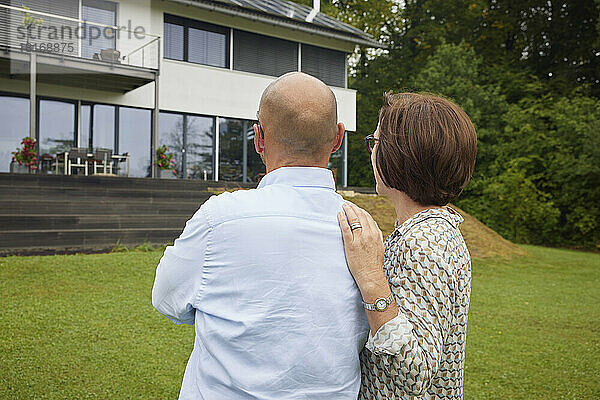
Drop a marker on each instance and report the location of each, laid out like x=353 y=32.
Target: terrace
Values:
x=44 y=48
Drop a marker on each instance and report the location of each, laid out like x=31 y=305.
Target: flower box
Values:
x=166 y=174
x=16 y=168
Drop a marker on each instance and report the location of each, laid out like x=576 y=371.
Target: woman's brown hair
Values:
x=427 y=147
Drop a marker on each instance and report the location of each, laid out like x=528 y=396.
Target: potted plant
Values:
x=165 y=163
x=24 y=160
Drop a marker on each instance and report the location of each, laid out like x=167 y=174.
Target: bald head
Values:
x=299 y=114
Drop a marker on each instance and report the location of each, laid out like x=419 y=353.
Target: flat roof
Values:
x=288 y=14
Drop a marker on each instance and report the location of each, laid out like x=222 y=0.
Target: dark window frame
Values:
x=187 y=23
x=38 y=102
x=185 y=116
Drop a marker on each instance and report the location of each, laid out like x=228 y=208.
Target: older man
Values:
x=262 y=274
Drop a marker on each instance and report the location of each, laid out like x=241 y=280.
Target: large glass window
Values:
x=135 y=126
x=14 y=114
x=336 y=164
x=170 y=133
x=231 y=149
x=120 y=129
x=97 y=126
x=56 y=126
x=191 y=139
x=195 y=41
x=238 y=160
x=199 y=152
x=255 y=168
x=85 y=115
x=103 y=129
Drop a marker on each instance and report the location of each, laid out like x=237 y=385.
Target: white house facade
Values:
x=129 y=76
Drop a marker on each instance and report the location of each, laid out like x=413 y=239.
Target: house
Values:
x=133 y=75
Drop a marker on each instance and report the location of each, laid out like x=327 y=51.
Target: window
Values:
x=52 y=30
x=135 y=127
x=199 y=145
x=97 y=126
x=103 y=129
x=85 y=115
x=174 y=41
x=326 y=64
x=238 y=160
x=95 y=38
x=14 y=114
x=195 y=41
x=264 y=54
x=56 y=125
x=120 y=129
x=254 y=165
x=336 y=164
x=191 y=139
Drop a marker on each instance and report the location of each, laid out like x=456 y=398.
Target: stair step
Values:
x=74 y=181
x=100 y=193
x=110 y=206
x=26 y=241
x=102 y=221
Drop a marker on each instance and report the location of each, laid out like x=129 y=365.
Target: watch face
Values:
x=381 y=304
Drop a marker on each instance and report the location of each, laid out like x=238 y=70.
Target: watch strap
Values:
x=373 y=306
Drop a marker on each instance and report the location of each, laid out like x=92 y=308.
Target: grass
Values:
x=82 y=326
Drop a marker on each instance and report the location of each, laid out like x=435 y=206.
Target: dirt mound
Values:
x=481 y=240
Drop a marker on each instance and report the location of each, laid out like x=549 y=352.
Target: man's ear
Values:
x=259 y=141
x=339 y=137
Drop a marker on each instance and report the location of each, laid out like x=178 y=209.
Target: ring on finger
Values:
x=355 y=225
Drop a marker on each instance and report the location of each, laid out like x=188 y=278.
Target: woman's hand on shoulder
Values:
x=363 y=245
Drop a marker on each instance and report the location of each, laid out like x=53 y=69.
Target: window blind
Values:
x=264 y=54
x=326 y=64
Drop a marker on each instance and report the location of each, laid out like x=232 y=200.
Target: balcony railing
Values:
x=26 y=30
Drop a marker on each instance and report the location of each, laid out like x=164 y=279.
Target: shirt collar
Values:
x=299 y=177
x=447 y=213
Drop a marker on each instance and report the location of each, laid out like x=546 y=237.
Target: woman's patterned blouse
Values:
x=420 y=354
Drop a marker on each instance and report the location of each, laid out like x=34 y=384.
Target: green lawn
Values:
x=82 y=326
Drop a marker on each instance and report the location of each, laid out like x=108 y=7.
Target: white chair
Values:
x=103 y=159
x=77 y=158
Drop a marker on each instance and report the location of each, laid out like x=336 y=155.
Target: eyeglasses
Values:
x=371 y=140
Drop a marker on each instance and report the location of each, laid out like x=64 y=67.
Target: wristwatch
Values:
x=381 y=304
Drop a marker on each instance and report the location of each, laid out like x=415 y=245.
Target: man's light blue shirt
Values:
x=262 y=275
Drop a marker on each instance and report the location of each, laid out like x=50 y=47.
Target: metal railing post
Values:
x=32 y=98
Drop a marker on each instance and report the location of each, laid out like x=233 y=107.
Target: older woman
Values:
x=416 y=286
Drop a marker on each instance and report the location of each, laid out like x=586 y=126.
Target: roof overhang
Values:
x=359 y=38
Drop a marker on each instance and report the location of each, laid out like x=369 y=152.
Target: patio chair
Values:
x=46 y=163
x=77 y=158
x=110 y=55
x=103 y=159
x=60 y=161
x=118 y=160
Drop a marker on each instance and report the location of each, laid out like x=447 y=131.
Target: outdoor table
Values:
x=115 y=157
